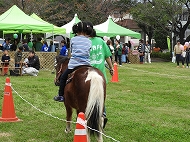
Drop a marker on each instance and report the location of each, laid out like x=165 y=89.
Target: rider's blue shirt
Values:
x=80 y=51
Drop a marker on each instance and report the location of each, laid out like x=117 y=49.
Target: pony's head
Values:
x=61 y=63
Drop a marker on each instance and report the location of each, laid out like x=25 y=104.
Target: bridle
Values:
x=58 y=76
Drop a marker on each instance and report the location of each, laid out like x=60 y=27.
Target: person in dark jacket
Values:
x=141 y=50
x=118 y=52
x=18 y=56
x=5 y=62
x=187 y=56
x=33 y=64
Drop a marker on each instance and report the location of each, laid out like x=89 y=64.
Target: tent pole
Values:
x=31 y=36
x=53 y=40
x=21 y=37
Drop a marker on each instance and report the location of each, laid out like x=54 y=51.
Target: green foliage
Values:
x=161 y=14
x=166 y=56
x=161 y=39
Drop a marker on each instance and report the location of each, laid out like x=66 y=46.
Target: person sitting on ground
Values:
x=80 y=47
x=64 y=51
x=18 y=56
x=33 y=64
x=5 y=59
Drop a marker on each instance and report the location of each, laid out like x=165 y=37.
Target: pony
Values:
x=85 y=92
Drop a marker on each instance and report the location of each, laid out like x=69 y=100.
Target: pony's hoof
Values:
x=67 y=131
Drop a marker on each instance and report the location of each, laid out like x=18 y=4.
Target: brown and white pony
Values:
x=86 y=93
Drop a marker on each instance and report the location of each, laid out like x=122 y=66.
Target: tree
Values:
x=60 y=12
x=164 y=14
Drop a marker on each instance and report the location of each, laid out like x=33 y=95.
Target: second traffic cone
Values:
x=115 y=73
x=80 y=131
x=8 y=111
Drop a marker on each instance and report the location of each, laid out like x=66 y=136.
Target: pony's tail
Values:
x=95 y=102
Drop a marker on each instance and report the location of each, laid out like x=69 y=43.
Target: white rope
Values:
x=81 y=122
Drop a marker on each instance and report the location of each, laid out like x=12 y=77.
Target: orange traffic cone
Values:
x=115 y=73
x=8 y=111
x=80 y=131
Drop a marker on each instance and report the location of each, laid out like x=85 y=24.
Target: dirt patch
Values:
x=5 y=135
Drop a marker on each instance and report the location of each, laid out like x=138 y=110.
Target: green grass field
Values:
x=150 y=103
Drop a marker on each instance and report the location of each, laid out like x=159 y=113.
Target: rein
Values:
x=59 y=73
x=60 y=69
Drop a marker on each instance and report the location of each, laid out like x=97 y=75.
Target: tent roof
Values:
x=57 y=30
x=111 y=29
x=16 y=19
x=69 y=25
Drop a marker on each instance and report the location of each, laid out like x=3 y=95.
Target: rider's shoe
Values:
x=59 y=98
x=105 y=121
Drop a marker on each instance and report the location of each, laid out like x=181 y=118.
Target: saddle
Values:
x=70 y=76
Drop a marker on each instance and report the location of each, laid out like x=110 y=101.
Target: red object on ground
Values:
x=115 y=73
x=80 y=131
x=8 y=111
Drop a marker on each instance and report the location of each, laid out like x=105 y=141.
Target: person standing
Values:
x=178 y=53
x=118 y=52
x=6 y=45
x=127 y=50
x=109 y=43
x=64 y=50
x=14 y=46
x=141 y=51
x=45 y=47
x=52 y=46
x=38 y=45
x=187 y=56
x=100 y=53
x=30 y=44
x=5 y=59
x=18 y=56
x=25 y=45
x=123 y=56
x=147 y=53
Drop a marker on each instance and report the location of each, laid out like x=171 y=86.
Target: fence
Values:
x=46 y=59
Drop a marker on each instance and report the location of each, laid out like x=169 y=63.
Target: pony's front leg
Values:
x=69 y=117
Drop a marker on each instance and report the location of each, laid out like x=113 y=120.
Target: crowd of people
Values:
x=28 y=45
x=31 y=65
x=181 y=53
x=144 y=50
x=119 y=51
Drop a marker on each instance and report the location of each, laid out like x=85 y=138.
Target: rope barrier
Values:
x=55 y=117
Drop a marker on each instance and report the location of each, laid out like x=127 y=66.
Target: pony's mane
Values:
x=61 y=59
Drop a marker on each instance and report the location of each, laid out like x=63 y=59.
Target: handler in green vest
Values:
x=100 y=53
